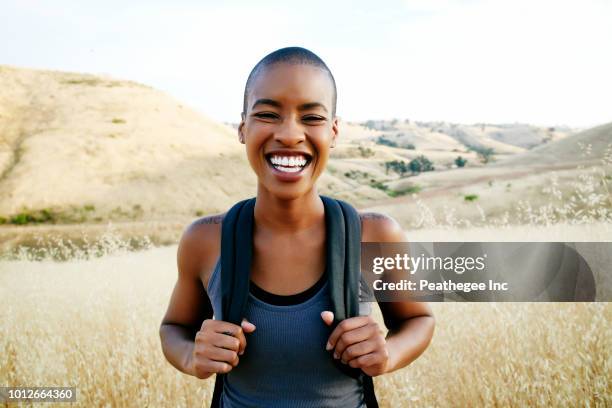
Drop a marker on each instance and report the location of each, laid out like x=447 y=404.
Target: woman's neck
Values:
x=272 y=213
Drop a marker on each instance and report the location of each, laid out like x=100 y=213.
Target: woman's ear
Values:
x=240 y=129
x=334 y=131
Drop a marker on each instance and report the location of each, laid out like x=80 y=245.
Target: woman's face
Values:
x=288 y=127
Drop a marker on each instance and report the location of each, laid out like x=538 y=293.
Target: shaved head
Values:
x=289 y=55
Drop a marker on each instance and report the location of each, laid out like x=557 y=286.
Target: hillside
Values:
x=116 y=147
x=503 y=138
x=567 y=150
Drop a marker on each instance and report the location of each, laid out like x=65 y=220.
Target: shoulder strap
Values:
x=343 y=236
x=343 y=246
x=236 y=254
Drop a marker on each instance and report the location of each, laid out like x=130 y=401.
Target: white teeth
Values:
x=288 y=169
x=288 y=161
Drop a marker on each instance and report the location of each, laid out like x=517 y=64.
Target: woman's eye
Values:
x=313 y=118
x=266 y=115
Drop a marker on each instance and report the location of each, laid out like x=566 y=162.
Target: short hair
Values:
x=289 y=55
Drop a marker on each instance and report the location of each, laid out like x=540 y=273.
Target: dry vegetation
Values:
x=92 y=323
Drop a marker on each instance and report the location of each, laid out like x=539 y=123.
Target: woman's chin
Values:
x=288 y=191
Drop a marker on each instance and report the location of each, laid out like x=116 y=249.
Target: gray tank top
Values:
x=285 y=363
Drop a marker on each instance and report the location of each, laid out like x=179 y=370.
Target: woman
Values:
x=279 y=356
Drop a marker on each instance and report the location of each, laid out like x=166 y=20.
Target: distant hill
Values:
x=504 y=138
x=567 y=150
x=116 y=146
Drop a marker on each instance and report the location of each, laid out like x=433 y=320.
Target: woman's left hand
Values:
x=359 y=342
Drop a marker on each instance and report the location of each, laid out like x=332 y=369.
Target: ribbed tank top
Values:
x=285 y=363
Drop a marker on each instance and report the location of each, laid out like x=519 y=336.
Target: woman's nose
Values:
x=290 y=133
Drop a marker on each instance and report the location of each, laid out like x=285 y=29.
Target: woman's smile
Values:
x=288 y=165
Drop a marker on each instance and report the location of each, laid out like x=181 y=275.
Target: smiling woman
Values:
x=301 y=339
x=289 y=112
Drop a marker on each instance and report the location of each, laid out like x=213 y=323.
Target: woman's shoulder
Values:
x=205 y=230
x=201 y=243
x=377 y=227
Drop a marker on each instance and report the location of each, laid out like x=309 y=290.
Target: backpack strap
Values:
x=343 y=242
x=343 y=237
x=236 y=255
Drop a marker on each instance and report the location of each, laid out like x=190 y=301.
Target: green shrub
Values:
x=460 y=161
x=356 y=174
x=420 y=164
x=397 y=166
x=410 y=189
x=366 y=152
x=33 y=217
x=21 y=219
x=484 y=153
x=83 y=81
x=386 y=141
x=471 y=197
x=379 y=185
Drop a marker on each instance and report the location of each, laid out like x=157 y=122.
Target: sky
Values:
x=532 y=61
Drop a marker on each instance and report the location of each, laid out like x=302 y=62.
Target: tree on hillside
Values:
x=397 y=166
x=383 y=140
x=485 y=154
x=460 y=161
x=420 y=164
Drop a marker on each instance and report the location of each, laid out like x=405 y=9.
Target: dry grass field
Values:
x=91 y=322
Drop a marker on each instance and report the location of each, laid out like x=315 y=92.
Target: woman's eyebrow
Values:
x=311 y=105
x=264 y=101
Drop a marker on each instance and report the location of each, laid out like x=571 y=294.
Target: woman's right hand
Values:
x=217 y=346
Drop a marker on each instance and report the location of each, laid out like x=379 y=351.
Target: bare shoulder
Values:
x=377 y=227
x=200 y=246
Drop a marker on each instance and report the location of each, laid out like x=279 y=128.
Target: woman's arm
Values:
x=191 y=340
x=411 y=327
x=189 y=305
x=410 y=324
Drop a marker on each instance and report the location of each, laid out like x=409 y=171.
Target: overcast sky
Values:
x=541 y=62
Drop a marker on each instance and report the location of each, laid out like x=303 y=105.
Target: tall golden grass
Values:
x=92 y=322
